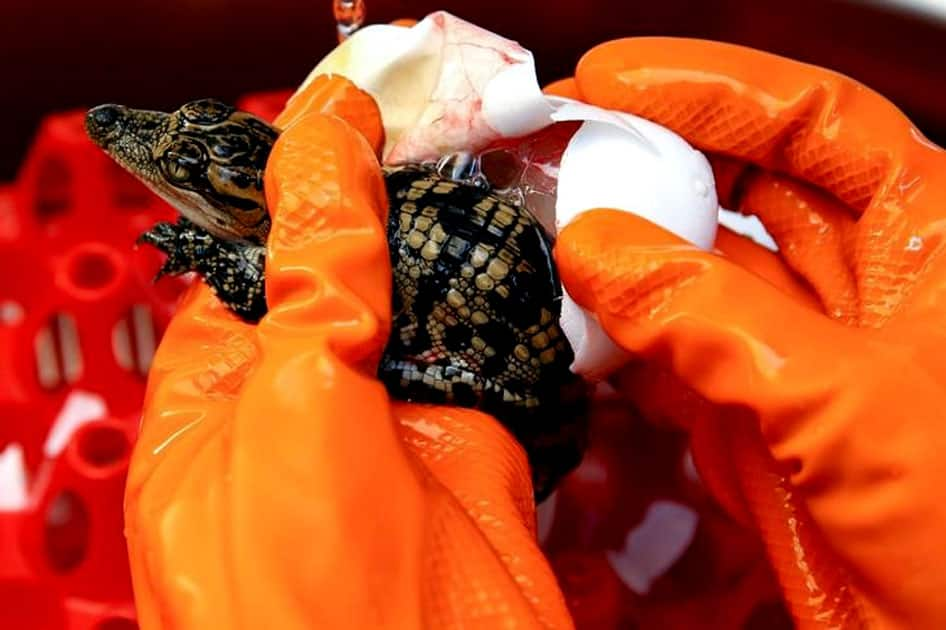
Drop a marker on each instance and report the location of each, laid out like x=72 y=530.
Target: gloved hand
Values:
x=814 y=388
x=274 y=484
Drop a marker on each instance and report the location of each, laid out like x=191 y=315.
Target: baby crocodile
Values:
x=476 y=298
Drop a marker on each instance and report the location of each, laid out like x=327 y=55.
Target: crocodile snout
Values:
x=103 y=122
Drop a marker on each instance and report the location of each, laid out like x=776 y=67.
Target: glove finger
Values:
x=811 y=124
x=486 y=482
x=814 y=218
x=767 y=264
x=814 y=234
x=664 y=399
x=794 y=215
x=740 y=473
x=731 y=455
x=201 y=364
x=314 y=454
x=665 y=300
x=336 y=95
x=567 y=88
x=328 y=272
x=204 y=358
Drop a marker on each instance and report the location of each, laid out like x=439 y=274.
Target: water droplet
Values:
x=915 y=243
x=349 y=16
x=461 y=167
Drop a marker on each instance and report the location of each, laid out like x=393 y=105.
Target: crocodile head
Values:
x=206 y=159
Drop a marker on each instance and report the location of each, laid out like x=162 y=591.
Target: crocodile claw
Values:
x=178 y=242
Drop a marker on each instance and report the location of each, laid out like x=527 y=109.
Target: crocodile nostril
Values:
x=103 y=117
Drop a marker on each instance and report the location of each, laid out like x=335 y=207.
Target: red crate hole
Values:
x=58 y=352
x=134 y=339
x=53 y=188
x=66 y=532
x=117 y=623
x=102 y=445
x=92 y=268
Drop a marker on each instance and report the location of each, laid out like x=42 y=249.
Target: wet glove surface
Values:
x=276 y=485
x=812 y=386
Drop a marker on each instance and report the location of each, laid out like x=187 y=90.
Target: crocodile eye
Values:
x=182 y=161
x=177 y=172
x=206 y=111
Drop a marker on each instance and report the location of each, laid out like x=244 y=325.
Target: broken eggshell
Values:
x=445 y=86
x=620 y=161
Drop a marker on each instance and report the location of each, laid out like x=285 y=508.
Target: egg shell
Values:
x=620 y=161
x=624 y=162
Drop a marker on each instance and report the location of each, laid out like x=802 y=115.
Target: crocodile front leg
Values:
x=233 y=270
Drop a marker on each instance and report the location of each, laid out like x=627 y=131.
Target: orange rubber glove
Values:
x=815 y=397
x=274 y=484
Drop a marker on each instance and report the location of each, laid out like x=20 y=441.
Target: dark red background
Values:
x=56 y=55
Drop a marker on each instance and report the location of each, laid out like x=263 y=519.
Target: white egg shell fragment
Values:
x=749 y=226
x=596 y=356
x=651 y=548
x=624 y=162
x=620 y=161
x=443 y=85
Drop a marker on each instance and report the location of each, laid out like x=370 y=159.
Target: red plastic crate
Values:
x=80 y=319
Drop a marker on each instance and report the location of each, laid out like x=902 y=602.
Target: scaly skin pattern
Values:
x=233 y=269
x=476 y=299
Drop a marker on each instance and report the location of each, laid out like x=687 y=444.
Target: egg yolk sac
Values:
x=446 y=87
